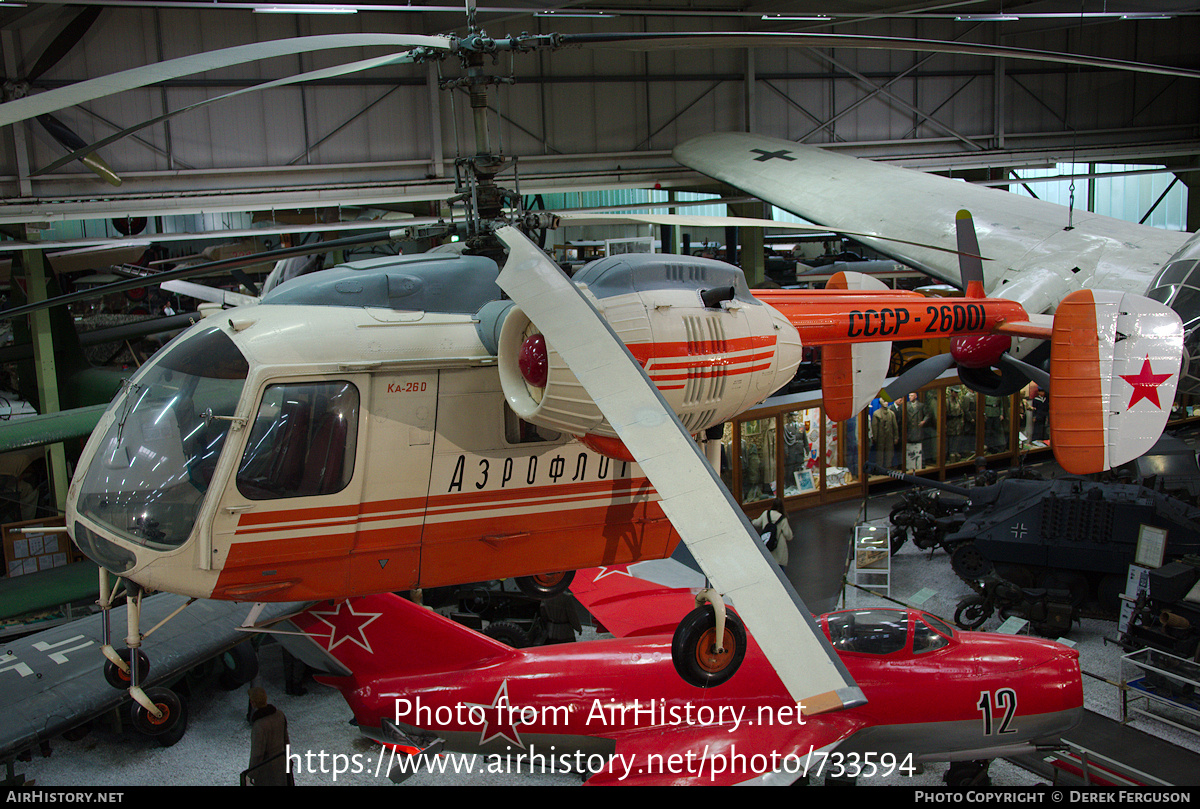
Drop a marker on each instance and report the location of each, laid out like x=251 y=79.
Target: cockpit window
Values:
x=875 y=631
x=153 y=466
x=929 y=634
x=302 y=442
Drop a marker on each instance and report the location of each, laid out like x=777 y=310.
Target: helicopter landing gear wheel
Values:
x=120 y=678
x=698 y=657
x=545 y=585
x=166 y=728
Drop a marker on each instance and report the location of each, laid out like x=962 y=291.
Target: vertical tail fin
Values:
x=852 y=374
x=1114 y=366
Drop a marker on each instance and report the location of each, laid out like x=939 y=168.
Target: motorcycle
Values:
x=1050 y=612
x=926 y=517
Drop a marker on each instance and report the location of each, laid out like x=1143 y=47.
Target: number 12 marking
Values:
x=1005 y=708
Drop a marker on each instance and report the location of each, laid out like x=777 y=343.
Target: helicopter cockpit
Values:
x=156 y=460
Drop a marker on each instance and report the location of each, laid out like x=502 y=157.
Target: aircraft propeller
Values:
x=984 y=363
x=58 y=48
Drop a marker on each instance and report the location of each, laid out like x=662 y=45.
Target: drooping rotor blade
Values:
x=314 y=75
x=700 y=508
x=919 y=376
x=91 y=89
x=668 y=40
x=696 y=221
x=209 y=268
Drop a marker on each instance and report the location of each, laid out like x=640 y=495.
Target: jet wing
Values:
x=1018 y=235
x=700 y=508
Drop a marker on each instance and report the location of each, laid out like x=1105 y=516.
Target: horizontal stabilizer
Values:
x=852 y=374
x=1114 y=366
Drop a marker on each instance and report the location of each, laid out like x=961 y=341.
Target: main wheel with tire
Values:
x=167 y=728
x=697 y=656
x=545 y=585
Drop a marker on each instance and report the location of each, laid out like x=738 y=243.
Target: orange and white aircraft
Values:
x=426 y=420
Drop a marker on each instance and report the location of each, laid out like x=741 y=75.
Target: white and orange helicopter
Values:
x=441 y=418
x=435 y=419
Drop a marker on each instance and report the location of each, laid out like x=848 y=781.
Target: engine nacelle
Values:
x=709 y=347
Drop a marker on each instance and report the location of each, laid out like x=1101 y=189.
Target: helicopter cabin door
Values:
x=400 y=426
x=287 y=521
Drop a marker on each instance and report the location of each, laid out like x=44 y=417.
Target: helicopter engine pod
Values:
x=709 y=347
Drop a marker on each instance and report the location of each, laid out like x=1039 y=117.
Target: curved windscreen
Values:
x=153 y=466
x=1178 y=286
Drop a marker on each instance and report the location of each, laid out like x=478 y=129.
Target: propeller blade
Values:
x=697 y=221
x=700 y=508
x=62 y=44
x=676 y=40
x=1032 y=372
x=919 y=376
x=315 y=75
x=91 y=89
x=969 y=262
x=67 y=137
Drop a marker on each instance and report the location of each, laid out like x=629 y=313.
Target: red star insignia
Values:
x=346 y=625
x=1145 y=384
x=499 y=719
x=615 y=570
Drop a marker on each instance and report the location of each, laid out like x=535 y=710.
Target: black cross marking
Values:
x=764 y=155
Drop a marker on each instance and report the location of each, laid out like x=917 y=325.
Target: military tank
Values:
x=1068 y=533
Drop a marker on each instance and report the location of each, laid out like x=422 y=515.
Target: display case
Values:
x=1154 y=679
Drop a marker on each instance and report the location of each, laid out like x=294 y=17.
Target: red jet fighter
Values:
x=616 y=711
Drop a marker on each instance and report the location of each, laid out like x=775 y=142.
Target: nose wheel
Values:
x=156 y=712
x=709 y=643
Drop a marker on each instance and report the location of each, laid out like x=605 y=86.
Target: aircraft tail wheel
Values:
x=171 y=721
x=698 y=657
x=545 y=585
x=119 y=676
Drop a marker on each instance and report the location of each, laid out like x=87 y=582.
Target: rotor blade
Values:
x=696 y=221
x=67 y=137
x=699 y=506
x=779 y=39
x=969 y=263
x=919 y=376
x=62 y=44
x=80 y=92
x=314 y=75
x=209 y=268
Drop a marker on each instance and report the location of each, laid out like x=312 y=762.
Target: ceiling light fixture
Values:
x=586 y=14
x=305 y=9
